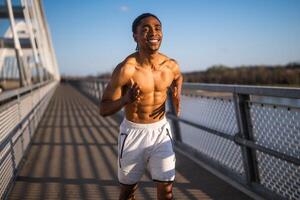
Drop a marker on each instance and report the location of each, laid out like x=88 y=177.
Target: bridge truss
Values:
x=28 y=78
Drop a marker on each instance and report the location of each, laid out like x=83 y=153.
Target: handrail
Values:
x=6 y=95
x=286 y=92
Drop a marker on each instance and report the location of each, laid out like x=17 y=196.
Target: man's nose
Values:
x=152 y=32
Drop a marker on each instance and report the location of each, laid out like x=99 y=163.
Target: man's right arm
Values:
x=108 y=106
x=112 y=99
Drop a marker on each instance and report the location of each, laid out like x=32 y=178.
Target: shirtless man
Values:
x=140 y=84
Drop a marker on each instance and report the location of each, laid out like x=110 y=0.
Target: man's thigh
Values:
x=162 y=160
x=131 y=162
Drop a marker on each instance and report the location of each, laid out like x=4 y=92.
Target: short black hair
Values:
x=137 y=20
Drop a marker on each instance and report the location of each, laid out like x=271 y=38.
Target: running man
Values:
x=140 y=84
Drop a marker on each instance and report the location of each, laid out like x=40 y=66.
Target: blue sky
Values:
x=92 y=37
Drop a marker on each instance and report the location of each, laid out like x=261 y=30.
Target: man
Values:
x=140 y=84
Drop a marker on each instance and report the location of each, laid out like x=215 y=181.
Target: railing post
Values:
x=13 y=157
x=101 y=89
x=83 y=86
x=175 y=123
x=245 y=132
x=95 y=89
x=98 y=96
x=91 y=89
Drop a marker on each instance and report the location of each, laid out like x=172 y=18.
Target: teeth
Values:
x=153 y=40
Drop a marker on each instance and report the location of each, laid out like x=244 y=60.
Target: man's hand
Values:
x=132 y=94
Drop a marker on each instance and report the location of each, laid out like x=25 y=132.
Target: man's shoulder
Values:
x=127 y=65
x=167 y=61
x=130 y=61
x=126 y=68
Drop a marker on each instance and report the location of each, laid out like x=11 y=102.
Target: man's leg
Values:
x=127 y=192
x=162 y=165
x=164 y=190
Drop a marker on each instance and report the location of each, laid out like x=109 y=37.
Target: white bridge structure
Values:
x=28 y=76
x=26 y=53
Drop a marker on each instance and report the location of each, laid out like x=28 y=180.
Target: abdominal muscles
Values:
x=149 y=109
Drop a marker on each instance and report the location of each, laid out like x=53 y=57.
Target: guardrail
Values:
x=250 y=134
x=20 y=113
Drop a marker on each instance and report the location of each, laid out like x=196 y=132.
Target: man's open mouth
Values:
x=153 y=41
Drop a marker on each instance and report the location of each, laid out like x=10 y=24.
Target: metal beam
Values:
x=18 y=12
x=9 y=43
x=243 y=118
x=285 y=92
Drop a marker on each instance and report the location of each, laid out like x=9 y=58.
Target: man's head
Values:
x=147 y=32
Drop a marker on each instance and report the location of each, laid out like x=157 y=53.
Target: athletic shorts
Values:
x=142 y=146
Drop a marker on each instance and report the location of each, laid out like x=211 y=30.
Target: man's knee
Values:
x=165 y=191
x=127 y=192
x=167 y=196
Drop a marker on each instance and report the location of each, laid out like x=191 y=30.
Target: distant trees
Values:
x=250 y=75
x=288 y=75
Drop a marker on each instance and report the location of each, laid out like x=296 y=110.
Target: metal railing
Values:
x=20 y=113
x=250 y=134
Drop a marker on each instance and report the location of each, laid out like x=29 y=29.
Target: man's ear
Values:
x=134 y=37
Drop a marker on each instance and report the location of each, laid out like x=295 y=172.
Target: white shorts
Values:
x=145 y=145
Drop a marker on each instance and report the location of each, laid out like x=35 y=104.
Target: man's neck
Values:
x=148 y=59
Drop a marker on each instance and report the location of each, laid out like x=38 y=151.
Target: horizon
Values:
x=203 y=70
x=93 y=37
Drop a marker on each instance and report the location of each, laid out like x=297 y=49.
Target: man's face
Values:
x=148 y=34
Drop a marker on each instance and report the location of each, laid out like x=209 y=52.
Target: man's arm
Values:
x=176 y=87
x=112 y=99
x=109 y=106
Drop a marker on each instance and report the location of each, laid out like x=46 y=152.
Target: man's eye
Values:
x=145 y=29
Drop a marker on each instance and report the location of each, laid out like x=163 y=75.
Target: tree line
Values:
x=288 y=75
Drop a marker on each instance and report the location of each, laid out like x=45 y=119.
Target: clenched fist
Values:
x=133 y=93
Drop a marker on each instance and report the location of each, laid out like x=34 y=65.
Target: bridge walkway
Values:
x=73 y=155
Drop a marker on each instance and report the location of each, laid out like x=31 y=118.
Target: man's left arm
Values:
x=177 y=85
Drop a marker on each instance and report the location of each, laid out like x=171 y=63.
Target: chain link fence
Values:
x=217 y=114
x=278 y=128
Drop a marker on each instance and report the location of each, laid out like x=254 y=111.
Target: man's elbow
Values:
x=180 y=78
x=102 y=111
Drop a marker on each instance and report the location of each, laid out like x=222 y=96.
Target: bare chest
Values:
x=153 y=80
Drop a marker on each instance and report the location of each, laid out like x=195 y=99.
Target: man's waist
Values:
x=147 y=124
